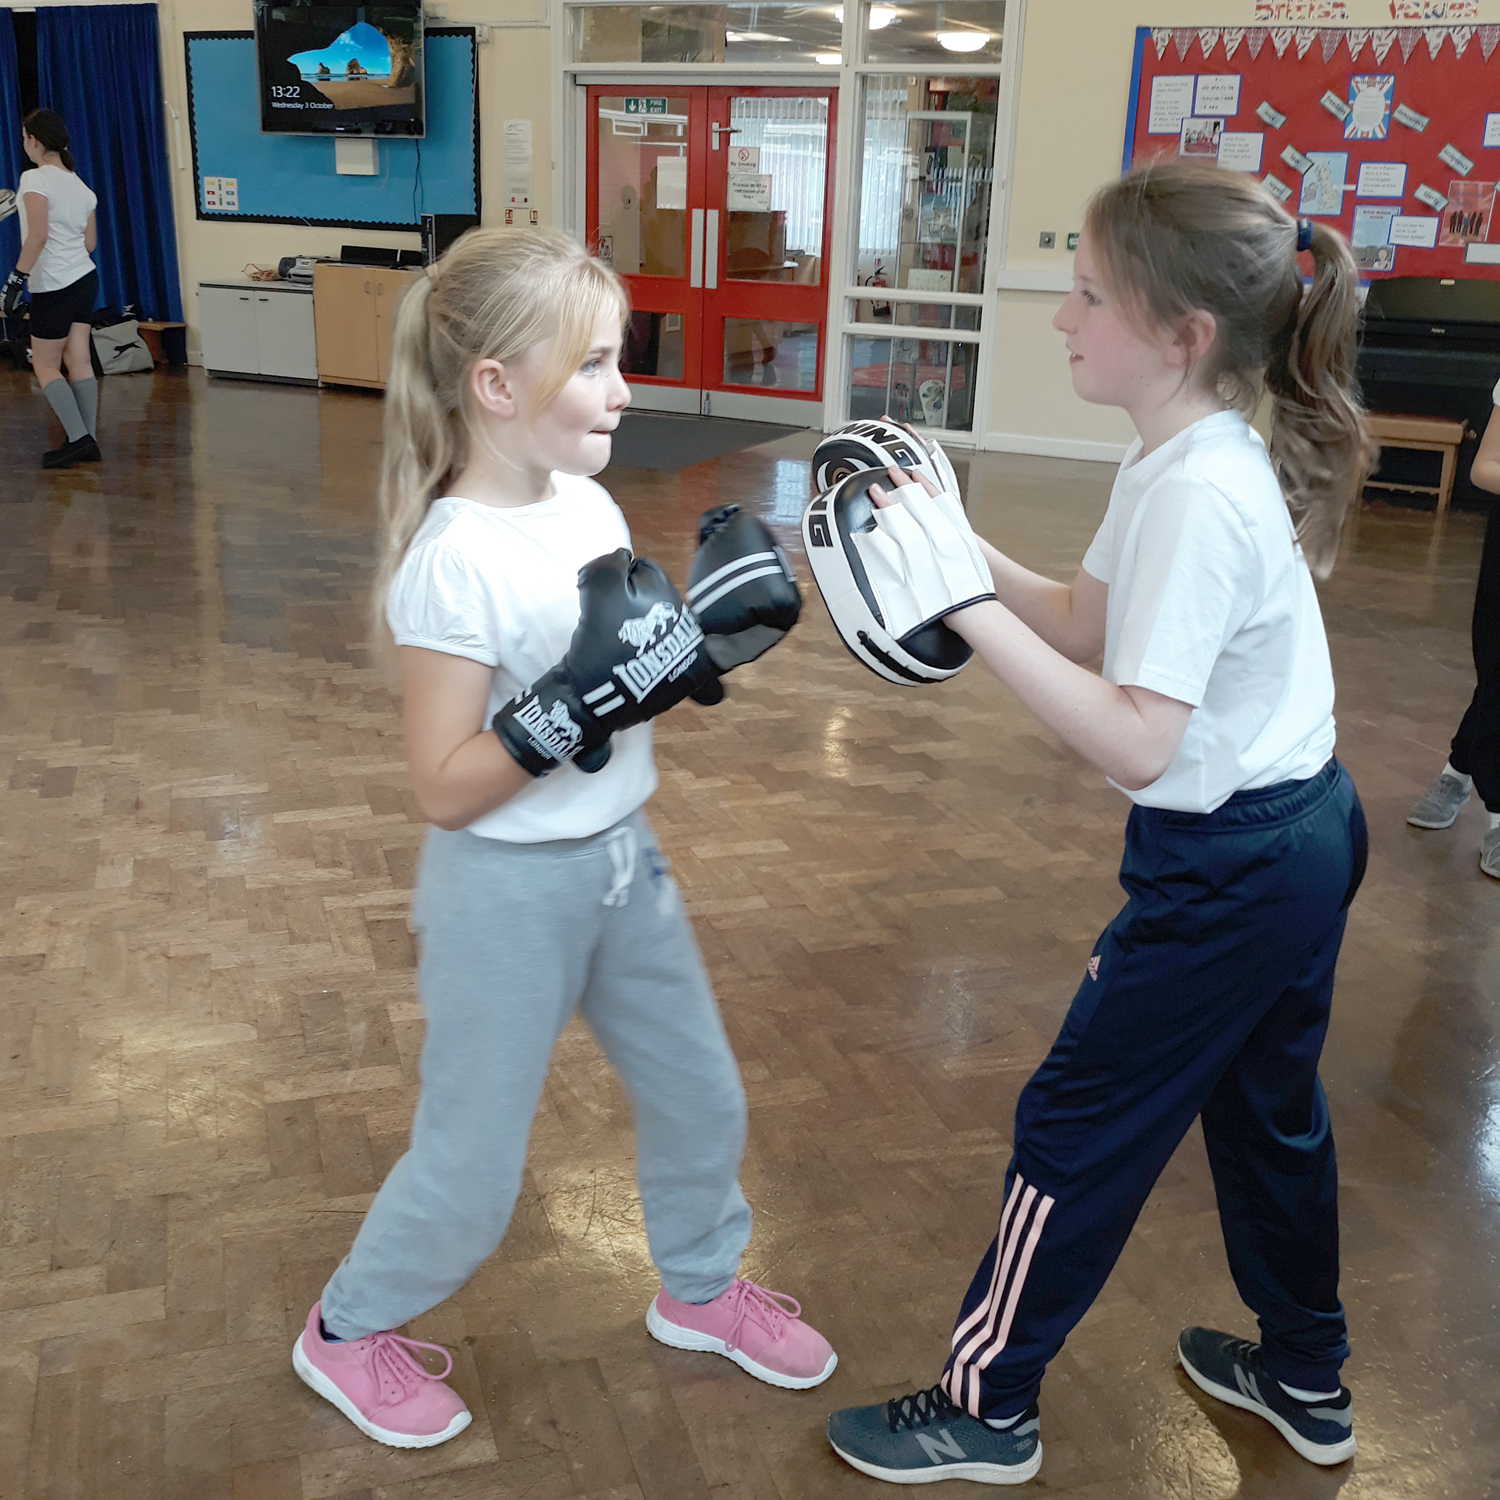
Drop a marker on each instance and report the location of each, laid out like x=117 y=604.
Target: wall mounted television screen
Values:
x=330 y=69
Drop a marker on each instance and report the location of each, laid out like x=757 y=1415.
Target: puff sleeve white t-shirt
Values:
x=1211 y=602
x=70 y=201
x=500 y=586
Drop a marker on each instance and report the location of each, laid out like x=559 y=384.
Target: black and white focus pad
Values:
x=889 y=576
x=741 y=587
x=636 y=651
x=877 y=444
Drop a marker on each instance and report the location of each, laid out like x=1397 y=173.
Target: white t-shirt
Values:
x=1211 y=602
x=500 y=586
x=69 y=203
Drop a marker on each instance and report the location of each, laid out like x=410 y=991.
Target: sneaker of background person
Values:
x=1489 y=853
x=923 y=1438
x=378 y=1384
x=761 y=1331
x=1320 y=1428
x=1438 y=806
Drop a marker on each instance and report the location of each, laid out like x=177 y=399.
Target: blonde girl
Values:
x=1208 y=995
x=504 y=572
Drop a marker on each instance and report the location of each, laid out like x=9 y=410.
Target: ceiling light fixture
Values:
x=828 y=59
x=881 y=16
x=963 y=41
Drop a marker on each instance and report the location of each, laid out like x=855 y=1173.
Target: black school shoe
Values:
x=1231 y=1369
x=922 y=1438
x=84 y=450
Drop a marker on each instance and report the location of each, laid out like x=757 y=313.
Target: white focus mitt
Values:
x=877 y=444
x=889 y=576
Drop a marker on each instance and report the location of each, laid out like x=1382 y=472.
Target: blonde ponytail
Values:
x=1174 y=237
x=496 y=294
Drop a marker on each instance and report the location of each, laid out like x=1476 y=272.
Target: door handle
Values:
x=724 y=130
x=711 y=252
x=695 y=250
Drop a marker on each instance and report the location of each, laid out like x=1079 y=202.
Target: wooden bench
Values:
x=1429 y=435
x=151 y=333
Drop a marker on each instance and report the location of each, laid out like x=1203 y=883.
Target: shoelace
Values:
x=920 y=1409
x=399 y=1373
x=770 y=1309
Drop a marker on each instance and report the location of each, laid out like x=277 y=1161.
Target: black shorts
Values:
x=54 y=313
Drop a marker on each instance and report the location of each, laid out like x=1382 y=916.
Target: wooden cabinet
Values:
x=355 y=311
x=253 y=329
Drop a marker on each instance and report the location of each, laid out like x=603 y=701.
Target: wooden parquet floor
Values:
x=209 y=1034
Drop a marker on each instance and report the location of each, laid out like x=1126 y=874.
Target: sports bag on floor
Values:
x=121 y=349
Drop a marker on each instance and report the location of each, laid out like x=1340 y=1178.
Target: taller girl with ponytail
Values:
x=1208 y=995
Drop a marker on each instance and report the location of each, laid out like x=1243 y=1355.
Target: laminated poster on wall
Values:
x=1323 y=185
x=1372 y=225
x=1371 y=96
x=1171 y=103
x=1381 y=179
x=1466 y=219
x=1241 y=150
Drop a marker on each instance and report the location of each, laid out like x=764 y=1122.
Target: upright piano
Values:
x=1430 y=347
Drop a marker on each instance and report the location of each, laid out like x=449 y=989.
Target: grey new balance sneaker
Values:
x=1231 y=1369
x=1438 y=806
x=922 y=1438
x=1489 y=854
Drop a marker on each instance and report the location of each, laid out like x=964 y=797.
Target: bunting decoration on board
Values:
x=1161 y=35
x=1234 y=35
x=1255 y=39
x=1435 y=35
x=1408 y=36
x=1462 y=36
x=1489 y=36
x=1356 y=36
x=1208 y=36
x=1330 y=37
x=1306 y=36
x=1382 y=38
x=1281 y=39
x=1182 y=39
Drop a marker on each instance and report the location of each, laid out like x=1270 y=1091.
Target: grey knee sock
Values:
x=60 y=395
x=86 y=394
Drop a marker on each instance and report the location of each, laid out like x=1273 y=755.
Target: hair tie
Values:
x=1304 y=234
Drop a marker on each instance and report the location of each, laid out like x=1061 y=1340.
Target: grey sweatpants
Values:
x=515 y=938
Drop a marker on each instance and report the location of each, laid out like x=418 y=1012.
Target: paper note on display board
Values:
x=1414 y=229
x=1217 y=94
x=1171 y=102
x=1241 y=150
x=1492 y=130
x=1467 y=216
x=749 y=192
x=516 y=179
x=671 y=182
x=1381 y=179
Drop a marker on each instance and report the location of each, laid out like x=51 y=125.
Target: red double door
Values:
x=716 y=207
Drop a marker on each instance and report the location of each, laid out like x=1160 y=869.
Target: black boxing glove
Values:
x=741 y=587
x=10 y=294
x=636 y=651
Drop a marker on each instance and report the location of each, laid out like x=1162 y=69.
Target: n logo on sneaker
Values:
x=1247 y=1385
x=937 y=1451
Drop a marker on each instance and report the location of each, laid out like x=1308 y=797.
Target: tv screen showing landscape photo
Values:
x=340 y=69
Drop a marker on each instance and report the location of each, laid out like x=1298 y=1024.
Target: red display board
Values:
x=1390 y=133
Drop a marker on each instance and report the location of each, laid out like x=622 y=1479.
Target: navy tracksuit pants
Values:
x=1208 y=994
x=1476 y=746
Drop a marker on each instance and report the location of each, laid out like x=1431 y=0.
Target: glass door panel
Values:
x=640 y=187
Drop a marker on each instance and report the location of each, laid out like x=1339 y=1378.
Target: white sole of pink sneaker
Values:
x=310 y=1375
x=689 y=1338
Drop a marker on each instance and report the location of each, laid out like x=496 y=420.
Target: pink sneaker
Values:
x=380 y=1387
x=754 y=1327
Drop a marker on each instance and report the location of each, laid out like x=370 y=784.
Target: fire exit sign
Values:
x=645 y=106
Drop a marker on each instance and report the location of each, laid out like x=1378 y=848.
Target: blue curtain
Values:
x=12 y=159
x=99 y=67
